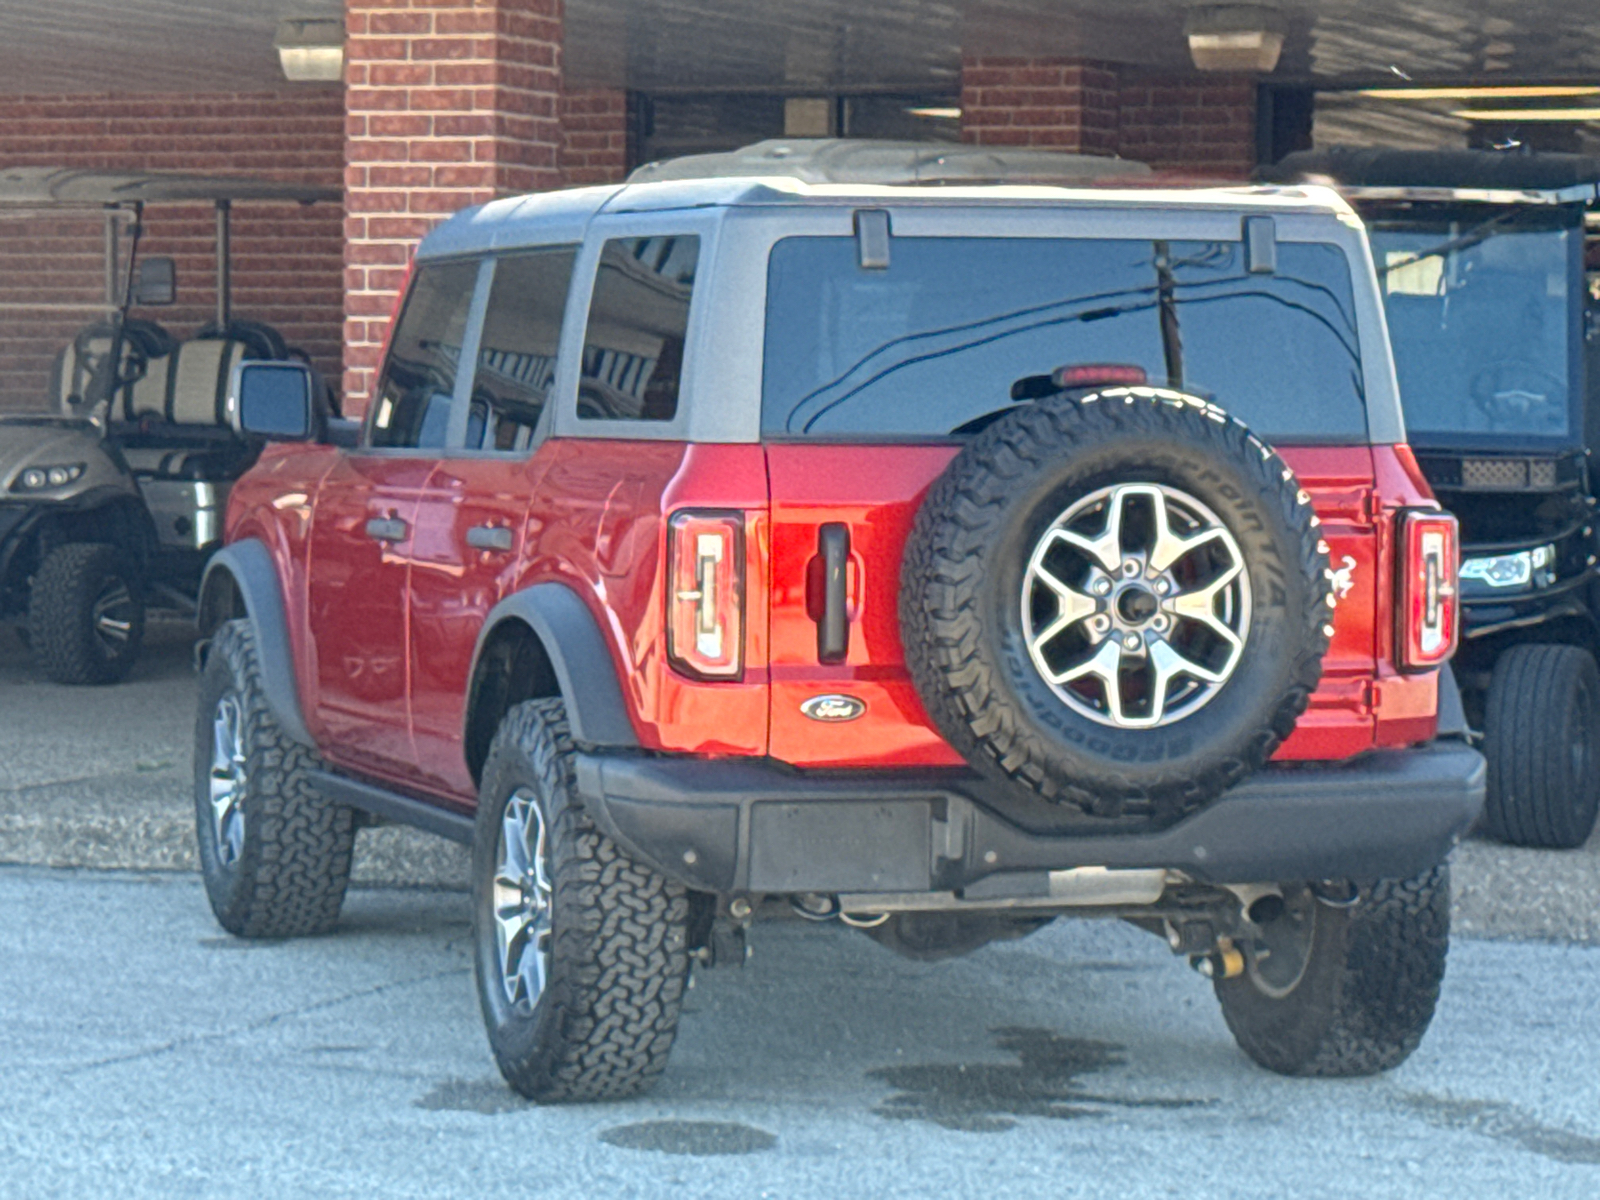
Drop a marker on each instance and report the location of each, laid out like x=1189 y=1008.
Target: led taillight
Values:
x=705 y=600
x=1430 y=606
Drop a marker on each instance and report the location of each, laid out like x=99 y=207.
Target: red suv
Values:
x=723 y=548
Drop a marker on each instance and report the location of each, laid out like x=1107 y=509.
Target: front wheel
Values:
x=1342 y=990
x=86 y=614
x=581 y=953
x=1540 y=740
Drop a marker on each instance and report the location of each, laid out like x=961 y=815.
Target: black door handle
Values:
x=489 y=537
x=833 y=621
x=386 y=529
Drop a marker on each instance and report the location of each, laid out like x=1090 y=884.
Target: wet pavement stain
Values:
x=699 y=1138
x=489 y=1097
x=1506 y=1123
x=987 y=1097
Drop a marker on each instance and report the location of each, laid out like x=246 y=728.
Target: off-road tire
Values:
x=1540 y=740
x=292 y=870
x=62 y=597
x=1368 y=991
x=618 y=963
x=962 y=572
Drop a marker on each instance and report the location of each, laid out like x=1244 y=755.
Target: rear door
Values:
x=471 y=524
x=364 y=533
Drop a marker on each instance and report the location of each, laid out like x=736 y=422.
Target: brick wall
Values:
x=449 y=103
x=1197 y=124
x=1057 y=103
x=596 y=134
x=286 y=259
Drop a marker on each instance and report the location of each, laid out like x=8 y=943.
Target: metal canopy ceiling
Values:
x=54 y=46
x=52 y=186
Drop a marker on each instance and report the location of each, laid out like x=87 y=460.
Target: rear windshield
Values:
x=933 y=344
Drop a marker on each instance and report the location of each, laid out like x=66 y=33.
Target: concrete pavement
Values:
x=146 y=1053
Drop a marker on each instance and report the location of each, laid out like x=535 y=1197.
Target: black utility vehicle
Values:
x=1496 y=333
x=112 y=490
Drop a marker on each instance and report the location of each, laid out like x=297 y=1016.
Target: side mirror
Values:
x=157 y=282
x=275 y=400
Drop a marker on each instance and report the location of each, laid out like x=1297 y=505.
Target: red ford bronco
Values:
x=936 y=560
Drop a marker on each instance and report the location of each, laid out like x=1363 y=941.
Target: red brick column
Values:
x=1062 y=103
x=448 y=103
x=595 y=129
x=1204 y=125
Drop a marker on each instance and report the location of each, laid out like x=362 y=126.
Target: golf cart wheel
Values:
x=274 y=852
x=86 y=614
x=1119 y=602
x=581 y=953
x=1342 y=989
x=1540 y=742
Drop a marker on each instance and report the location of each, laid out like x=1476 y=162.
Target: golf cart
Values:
x=1496 y=337
x=112 y=489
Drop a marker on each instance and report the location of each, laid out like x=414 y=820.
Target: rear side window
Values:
x=931 y=346
x=517 y=352
x=419 y=376
x=638 y=321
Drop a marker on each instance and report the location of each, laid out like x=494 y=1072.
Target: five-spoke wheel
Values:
x=522 y=901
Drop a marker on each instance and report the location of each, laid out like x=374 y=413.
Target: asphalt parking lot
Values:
x=148 y=1050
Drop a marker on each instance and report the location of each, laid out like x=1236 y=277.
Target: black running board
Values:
x=393 y=806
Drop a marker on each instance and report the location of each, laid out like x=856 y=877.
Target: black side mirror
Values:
x=274 y=400
x=157 y=282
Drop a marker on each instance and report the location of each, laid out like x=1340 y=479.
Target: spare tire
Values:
x=1119 y=601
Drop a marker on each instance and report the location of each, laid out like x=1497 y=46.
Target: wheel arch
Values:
x=537 y=643
x=241 y=581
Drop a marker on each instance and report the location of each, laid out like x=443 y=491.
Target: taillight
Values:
x=1430 y=608
x=705 y=603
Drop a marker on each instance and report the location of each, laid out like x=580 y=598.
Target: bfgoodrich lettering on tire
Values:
x=581 y=954
x=1119 y=601
x=274 y=853
x=1344 y=990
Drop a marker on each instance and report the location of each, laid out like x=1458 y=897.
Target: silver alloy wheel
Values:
x=228 y=778
x=522 y=901
x=1136 y=605
x=112 y=616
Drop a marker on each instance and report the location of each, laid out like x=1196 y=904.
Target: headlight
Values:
x=1503 y=571
x=37 y=479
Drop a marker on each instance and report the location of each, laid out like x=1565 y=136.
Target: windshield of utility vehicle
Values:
x=933 y=344
x=1486 y=333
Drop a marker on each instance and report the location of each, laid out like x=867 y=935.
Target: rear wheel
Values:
x=1342 y=990
x=581 y=953
x=86 y=614
x=1540 y=742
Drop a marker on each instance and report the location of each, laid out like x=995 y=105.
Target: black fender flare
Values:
x=584 y=668
x=249 y=567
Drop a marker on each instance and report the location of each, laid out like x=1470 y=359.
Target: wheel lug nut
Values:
x=1102 y=586
x=1162 y=587
x=1131 y=642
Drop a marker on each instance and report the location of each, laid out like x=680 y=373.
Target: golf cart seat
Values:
x=73 y=374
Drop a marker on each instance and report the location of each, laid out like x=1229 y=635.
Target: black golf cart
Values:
x=1496 y=335
x=113 y=486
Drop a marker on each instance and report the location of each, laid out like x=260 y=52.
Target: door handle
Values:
x=833 y=621
x=386 y=529
x=489 y=537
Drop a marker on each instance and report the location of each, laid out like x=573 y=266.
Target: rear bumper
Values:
x=734 y=826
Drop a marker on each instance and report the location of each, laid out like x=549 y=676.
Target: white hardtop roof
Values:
x=563 y=216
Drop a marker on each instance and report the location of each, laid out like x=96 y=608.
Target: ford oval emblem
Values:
x=833 y=708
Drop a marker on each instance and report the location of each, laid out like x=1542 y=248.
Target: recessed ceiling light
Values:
x=1527 y=114
x=311 y=49
x=1508 y=92
x=943 y=114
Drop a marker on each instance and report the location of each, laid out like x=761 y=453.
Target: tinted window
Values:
x=517 y=353
x=413 y=398
x=936 y=341
x=633 y=348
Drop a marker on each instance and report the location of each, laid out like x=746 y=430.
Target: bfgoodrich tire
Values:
x=86 y=614
x=1348 y=990
x=274 y=852
x=581 y=953
x=1540 y=740
x=1120 y=602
